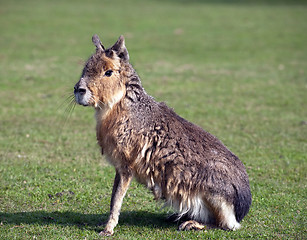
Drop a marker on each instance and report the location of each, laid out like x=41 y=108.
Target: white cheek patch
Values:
x=104 y=108
x=115 y=99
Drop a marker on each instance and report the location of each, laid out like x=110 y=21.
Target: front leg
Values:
x=121 y=184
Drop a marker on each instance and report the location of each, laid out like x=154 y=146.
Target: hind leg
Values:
x=224 y=214
x=191 y=225
x=228 y=219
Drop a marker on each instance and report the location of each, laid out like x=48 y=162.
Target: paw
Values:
x=191 y=225
x=235 y=226
x=106 y=232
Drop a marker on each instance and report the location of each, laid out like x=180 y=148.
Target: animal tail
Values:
x=242 y=202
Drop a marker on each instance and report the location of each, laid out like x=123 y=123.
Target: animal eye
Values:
x=108 y=73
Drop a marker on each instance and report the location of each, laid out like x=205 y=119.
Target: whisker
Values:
x=102 y=103
x=68 y=99
x=68 y=112
x=70 y=103
x=70 y=108
x=99 y=106
x=64 y=106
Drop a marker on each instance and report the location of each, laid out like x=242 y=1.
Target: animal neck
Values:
x=107 y=122
x=134 y=88
x=121 y=109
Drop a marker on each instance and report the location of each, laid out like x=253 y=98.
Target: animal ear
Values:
x=120 y=48
x=97 y=43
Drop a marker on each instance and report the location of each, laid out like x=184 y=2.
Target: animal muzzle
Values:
x=82 y=94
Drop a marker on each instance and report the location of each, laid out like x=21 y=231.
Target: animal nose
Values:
x=79 y=90
x=82 y=91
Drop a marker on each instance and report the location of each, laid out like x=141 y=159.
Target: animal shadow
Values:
x=93 y=222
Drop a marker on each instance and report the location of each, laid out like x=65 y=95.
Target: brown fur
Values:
x=180 y=162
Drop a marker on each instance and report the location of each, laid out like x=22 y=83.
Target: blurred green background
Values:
x=236 y=68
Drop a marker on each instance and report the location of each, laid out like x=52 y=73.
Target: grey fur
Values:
x=180 y=162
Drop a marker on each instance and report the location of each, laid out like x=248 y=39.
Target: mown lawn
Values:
x=236 y=68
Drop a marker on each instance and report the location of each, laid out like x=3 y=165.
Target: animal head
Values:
x=101 y=84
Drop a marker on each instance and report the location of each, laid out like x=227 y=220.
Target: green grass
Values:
x=236 y=68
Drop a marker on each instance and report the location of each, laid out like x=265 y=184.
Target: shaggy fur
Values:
x=181 y=163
